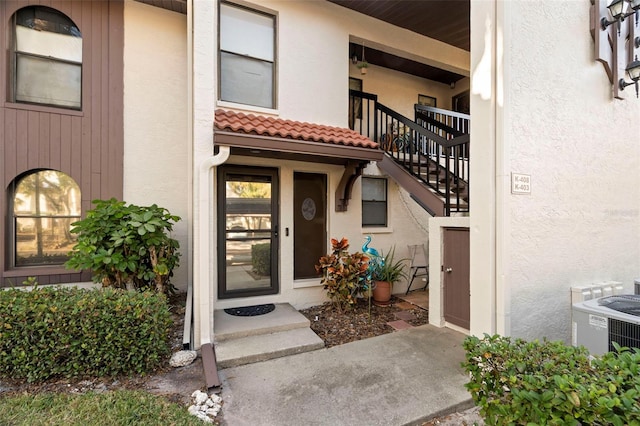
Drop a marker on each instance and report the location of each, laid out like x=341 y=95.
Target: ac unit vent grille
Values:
x=624 y=333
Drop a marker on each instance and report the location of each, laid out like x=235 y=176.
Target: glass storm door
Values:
x=247 y=231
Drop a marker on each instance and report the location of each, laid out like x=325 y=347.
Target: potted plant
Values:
x=343 y=274
x=363 y=67
x=384 y=271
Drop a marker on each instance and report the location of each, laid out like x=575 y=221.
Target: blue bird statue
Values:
x=369 y=250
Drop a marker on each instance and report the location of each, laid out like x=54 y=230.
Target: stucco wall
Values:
x=156 y=155
x=407 y=225
x=313 y=60
x=313 y=67
x=399 y=91
x=581 y=222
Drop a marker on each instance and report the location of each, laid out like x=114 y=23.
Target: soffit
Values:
x=179 y=6
x=387 y=60
x=444 y=20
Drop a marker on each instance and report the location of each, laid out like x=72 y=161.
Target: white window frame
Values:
x=250 y=54
x=385 y=201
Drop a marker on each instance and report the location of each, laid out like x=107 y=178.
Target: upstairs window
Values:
x=45 y=204
x=47 y=58
x=374 y=201
x=247 y=56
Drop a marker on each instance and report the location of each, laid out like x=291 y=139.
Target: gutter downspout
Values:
x=207 y=265
x=187 y=332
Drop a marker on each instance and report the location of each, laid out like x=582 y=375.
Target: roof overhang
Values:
x=179 y=6
x=276 y=147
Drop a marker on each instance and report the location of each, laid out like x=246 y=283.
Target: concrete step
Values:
x=283 y=318
x=256 y=348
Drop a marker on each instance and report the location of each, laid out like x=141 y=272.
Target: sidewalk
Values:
x=400 y=378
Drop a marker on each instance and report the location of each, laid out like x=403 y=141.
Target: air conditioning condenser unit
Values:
x=598 y=323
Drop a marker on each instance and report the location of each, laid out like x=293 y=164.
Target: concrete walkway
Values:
x=396 y=379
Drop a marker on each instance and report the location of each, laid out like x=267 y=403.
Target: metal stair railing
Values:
x=434 y=148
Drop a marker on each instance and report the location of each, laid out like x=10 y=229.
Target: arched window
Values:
x=44 y=204
x=47 y=60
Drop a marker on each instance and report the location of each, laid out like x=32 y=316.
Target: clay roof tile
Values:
x=239 y=122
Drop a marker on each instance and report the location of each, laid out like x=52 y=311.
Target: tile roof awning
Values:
x=256 y=132
x=275 y=137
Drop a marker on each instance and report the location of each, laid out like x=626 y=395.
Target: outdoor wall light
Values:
x=617 y=9
x=633 y=71
x=617 y=40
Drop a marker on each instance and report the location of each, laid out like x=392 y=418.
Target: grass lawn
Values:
x=117 y=408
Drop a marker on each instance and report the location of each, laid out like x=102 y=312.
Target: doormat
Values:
x=251 y=311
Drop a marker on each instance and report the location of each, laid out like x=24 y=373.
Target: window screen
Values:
x=247 y=56
x=374 y=201
x=47 y=58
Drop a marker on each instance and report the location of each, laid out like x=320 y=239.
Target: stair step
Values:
x=250 y=349
x=284 y=317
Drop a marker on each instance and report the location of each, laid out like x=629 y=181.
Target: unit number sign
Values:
x=520 y=184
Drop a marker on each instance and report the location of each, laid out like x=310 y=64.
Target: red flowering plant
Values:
x=343 y=274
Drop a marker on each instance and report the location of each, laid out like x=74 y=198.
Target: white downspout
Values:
x=207 y=250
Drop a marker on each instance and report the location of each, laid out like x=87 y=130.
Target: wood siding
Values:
x=87 y=144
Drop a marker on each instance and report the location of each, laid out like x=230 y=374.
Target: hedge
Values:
x=70 y=332
x=515 y=382
x=261 y=258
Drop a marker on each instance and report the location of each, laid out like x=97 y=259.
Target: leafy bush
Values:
x=343 y=274
x=515 y=382
x=126 y=246
x=72 y=332
x=261 y=258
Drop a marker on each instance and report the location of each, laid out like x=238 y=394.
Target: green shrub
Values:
x=72 y=332
x=126 y=246
x=515 y=382
x=261 y=258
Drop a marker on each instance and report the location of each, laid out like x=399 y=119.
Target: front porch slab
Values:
x=283 y=318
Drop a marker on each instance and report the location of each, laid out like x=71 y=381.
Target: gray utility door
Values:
x=456 y=276
x=309 y=223
x=247 y=231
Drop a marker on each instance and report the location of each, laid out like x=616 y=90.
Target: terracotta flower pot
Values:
x=382 y=293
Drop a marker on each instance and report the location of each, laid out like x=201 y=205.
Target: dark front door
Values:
x=247 y=231
x=456 y=276
x=309 y=223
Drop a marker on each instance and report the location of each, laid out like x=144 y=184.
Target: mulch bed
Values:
x=337 y=328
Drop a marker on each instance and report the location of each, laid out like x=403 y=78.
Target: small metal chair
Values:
x=419 y=266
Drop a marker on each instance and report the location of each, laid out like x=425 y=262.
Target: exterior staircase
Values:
x=245 y=340
x=427 y=156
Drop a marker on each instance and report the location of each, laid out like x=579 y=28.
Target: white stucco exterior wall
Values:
x=557 y=122
x=156 y=161
x=581 y=223
x=312 y=84
x=399 y=91
x=407 y=225
x=313 y=67
x=313 y=59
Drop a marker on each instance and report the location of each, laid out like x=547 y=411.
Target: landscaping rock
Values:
x=182 y=358
x=205 y=407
